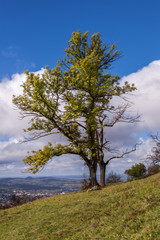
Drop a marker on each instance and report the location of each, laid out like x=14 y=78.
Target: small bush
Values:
x=5 y=205
x=85 y=183
x=15 y=199
x=153 y=169
x=136 y=171
x=113 y=178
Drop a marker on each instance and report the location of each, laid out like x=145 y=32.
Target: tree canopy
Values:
x=136 y=171
x=75 y=99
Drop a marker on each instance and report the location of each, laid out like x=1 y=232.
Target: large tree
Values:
x=76 y=99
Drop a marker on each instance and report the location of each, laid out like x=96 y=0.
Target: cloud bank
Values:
x=146 y=99
x=146 y=102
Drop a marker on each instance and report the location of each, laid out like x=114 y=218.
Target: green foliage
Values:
x=74 y=99
x=129 y=211
x=39 y=158
x=136 y=171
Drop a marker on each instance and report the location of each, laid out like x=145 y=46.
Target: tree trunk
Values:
x=93 y=176
x=102 y=174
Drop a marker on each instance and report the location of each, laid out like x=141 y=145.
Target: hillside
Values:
x=128 y=210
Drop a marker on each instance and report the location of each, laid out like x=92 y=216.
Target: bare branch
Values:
x=37 y=136
x=154 y=157
x=123 y=154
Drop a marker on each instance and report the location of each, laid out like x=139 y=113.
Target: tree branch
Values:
x=123 y=154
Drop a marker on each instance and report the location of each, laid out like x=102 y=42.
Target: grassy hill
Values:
x=128 y=210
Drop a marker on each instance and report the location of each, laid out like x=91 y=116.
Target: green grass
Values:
x=128 y=210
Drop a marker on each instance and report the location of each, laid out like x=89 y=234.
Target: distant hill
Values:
x=52 y=184
x=120 y=211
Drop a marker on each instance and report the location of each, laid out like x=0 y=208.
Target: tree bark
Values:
x=102 y=174
x=93 y=176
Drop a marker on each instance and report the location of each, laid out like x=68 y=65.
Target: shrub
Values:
x=153 y=169
x=136 y=171
x=15 y=199
x=113 y=178
x=85 y=183
x=154 y=157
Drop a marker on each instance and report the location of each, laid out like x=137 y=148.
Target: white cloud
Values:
x=9 y=52
x=146 y=102
x=146 y=97
x=120 y=165
x=12 y=152
x=10 y=124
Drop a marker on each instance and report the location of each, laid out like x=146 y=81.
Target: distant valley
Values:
x=38 y=187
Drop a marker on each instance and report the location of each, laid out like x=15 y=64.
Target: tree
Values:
x=74 y=99
x=113 y=178
x=154 y=157
x=153 y=169
x=136 y=171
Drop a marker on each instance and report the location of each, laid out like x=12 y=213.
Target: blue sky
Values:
x=35 y=33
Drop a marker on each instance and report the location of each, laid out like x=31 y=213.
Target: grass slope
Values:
x=128 y=210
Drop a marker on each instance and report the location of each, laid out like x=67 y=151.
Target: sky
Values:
x=35 y=33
